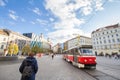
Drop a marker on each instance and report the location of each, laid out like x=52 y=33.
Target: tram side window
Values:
x=72 y=51
x=76 y=51
x=84 y=51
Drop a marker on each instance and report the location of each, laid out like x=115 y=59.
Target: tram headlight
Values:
x=95 y=60
x=85 y=60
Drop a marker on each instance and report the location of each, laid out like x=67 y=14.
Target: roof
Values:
x=2 y=32
x=107 y=27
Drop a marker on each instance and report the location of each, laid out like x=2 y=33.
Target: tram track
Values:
x=96 y=74
x=99 y=75
x=109 y=66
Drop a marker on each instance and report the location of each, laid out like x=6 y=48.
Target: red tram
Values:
x=81 y=57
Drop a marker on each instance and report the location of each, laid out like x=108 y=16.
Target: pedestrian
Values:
x=5 y=52
x=29 y=68
x=52 y=56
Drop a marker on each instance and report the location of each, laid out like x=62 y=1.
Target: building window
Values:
x=2 y=46
x=109 y=41
x=118 y=40
x=112 y=35
x=105 y=46
x=97 y=42
x=116 y=34
x=96 y=34
x=113 y=40
x=104 y=41
x=4 y=39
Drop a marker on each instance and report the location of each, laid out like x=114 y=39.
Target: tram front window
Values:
x=86 y=52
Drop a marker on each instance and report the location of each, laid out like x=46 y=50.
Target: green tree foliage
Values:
x=41 y=50
x=15 y=51
x=35 y=49
x=10 y=48
x=26 y=49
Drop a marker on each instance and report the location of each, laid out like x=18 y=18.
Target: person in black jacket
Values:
x=32 y=60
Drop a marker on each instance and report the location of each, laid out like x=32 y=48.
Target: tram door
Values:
x=75 y=55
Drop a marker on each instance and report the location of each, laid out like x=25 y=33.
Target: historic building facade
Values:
x=7 y=35
x=77 y=41
x=106 y=40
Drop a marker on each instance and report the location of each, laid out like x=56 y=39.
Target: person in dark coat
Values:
x=32 y=59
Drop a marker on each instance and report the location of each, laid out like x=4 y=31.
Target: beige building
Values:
x=7 y=35
x=106 y=40
x=77 y=41
x=57 y=48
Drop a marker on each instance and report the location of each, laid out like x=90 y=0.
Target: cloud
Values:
x=39 y=21
x=22 y=19
x=87 y=10
x=99 y=5
x=64 y=35
x=51 y=19
x=2 y=3
x=32 y=22
x=42 y=22
x=31 y=2
x=12 y=15
x=46 y=29
x=66 y=11
x=37 y=11
x=12 y=12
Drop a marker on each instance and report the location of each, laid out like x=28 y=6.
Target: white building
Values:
x=77 y=41
x=7 y=35
x=3 y=40
x=106 y=40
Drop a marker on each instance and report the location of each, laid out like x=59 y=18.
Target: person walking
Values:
x=29 y=68
x=52 y=56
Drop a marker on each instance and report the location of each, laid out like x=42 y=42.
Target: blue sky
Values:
x=58 y=19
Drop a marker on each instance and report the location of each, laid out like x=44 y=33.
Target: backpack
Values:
x=28 y=70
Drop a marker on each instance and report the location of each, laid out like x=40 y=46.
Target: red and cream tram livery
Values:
x=80 y=56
